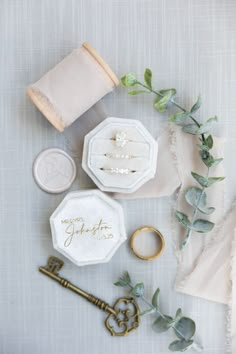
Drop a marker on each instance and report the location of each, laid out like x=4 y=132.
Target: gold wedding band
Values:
x=158 y=251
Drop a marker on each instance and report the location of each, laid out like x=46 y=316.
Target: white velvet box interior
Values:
x=88 y=227
x=100 y=149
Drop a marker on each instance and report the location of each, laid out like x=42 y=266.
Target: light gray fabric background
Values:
x=189 y=45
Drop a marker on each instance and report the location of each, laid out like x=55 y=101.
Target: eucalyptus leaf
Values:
x=126 y=277
x=121 y=283
x=129 y=80
x=148 y=77
x=138 y=290
x=204 y=128
x=203 y=181
x=212 y=180
x=209 y=160
x=162 y=324
x=178 y=315
x=202 y=226
x=209 y=142
x=206 y=157
x=171 y=92
x=196 y=197
x=179 y=117
x=124 y=280
x=137 y=92
x=197 y=105
x=155 y=298
x=180 y=345
x=163 y=99
x=191 y=129
x=183 y=219
x=215 y=162
x=203 y=147
x=206 y=182
x=186 y=327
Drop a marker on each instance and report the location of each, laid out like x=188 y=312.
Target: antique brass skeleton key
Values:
x=123 y=317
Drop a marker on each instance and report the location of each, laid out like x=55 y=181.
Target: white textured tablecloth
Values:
x=189 y=45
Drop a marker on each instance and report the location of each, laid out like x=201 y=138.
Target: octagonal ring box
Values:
x=120 y=155
x=88 y=227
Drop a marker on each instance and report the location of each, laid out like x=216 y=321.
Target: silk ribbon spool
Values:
x=72 y=87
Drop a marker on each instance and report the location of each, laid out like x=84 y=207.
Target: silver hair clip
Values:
x=118 y=171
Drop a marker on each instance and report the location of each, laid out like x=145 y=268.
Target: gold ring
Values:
x=159 y=250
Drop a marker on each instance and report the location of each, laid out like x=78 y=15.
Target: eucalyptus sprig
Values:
x=195 y=196
x=183 y=327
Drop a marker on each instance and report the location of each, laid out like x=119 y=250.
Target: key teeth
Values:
x=54 y=264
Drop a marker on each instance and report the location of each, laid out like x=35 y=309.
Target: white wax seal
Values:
x=54 y=170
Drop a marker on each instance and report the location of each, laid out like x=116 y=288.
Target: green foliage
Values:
x=137 y=290
x=191 y=129
x=206 y=181
x=180 y=345
x=208 y=159
x=155 y=298
x=183 y=327
x=148 y=77
x=204 y=128
x=129 y=80
x=136 y=92
x=179 y=117
x=196 y=197
x=124 y=280
x=196 y=105
x=163 y=100
x=202 y=226
x=183 y=219
x=178 y=315
x=162 y=324
x=186 y=327
x=203 y=181
x=209 y=142
x=199 y=225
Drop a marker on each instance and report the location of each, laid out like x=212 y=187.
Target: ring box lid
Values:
x=88 y=227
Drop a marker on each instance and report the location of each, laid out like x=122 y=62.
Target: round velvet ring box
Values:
x=120 y=155
x=159 y=238
x=88 y=227
x=73 y=86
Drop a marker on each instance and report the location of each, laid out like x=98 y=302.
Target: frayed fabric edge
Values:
x=229 y=318
x=173 y=150
x=180 y=286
